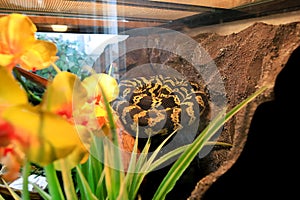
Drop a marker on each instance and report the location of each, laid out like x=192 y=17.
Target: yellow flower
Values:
x=18 y=44
x=47 y=133
x=64 y=94
x=98 y=85
x=11 y=94
x=44 y=132
x=45 y=136
x=78 y=102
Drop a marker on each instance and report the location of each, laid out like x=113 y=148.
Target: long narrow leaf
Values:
x=130 y=177
x=12 y=192
x=101 y=192
x=133 y=158
x=114 y=172
x=25 y=174
x=167 y=156
x=87 y=190
x=139 y=174
x=97 y=169
x=113 y=177
x=147 y=163
x=41 y=192
x=155 y=153
x=91 y=176
x=53 y=183
x=67 y=180
x=79 y=185
x=178 y=151
x=188 y=155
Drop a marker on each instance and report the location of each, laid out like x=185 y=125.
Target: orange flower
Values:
x=18 y=44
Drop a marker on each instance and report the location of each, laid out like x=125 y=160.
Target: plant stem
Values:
x=56 y=68
x=53 y=183
x=68 y=181
x=25 y=174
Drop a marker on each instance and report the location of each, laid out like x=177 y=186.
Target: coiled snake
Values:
x=159 y=105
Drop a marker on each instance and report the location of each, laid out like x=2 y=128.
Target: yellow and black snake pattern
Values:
x=159 y=105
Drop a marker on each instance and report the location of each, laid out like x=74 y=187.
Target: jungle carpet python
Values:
x=159 y=105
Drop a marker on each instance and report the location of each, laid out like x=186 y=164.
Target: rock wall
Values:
x=248 y=60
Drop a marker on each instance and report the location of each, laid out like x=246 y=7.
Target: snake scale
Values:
x=158 y=105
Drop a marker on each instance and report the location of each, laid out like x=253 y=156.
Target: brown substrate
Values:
x=259 y=55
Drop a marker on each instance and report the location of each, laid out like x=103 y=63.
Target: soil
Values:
x=261 y=134
x=258 y=165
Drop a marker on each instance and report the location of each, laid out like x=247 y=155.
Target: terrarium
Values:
x=161 y=99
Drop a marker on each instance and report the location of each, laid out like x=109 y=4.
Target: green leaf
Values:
x=1 y=198
x=101 y=192
x=188 y=155
x=53 y=183
x=145 y=165
x=114 y=174
x=67 y=180
x=41 y=192
x=167 y=156
x=25 y=174
x=12 y=192
x=87 y=193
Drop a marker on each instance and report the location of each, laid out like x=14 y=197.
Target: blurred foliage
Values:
x=72 y=56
